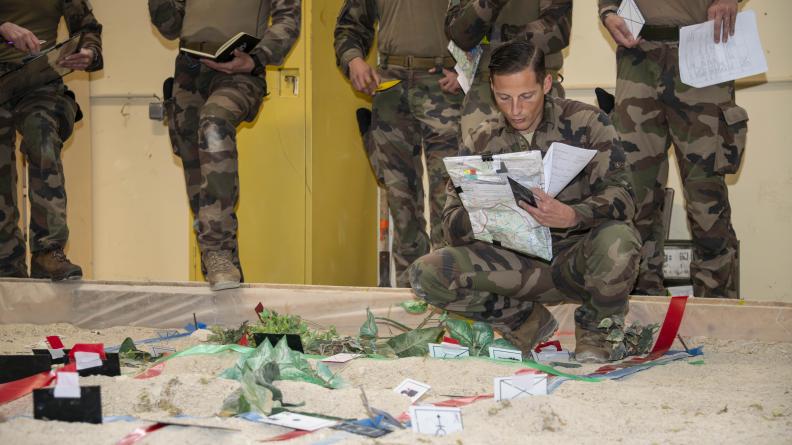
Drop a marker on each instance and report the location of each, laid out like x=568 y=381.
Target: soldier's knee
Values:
x=215 y=114
x=428 y=277
x=42 y=137
x=615 y=246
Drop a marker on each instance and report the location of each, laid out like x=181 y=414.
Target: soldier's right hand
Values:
x=618 y=29
x=20 y=37
x=364 y=78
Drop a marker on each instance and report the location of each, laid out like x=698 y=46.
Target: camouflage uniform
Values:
x=708 y=130
x=415 y=113
x=595 y=262
x=208 y=105
x=545 y=23
x=45 y=118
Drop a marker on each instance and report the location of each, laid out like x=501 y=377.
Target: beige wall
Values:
x=140 y=213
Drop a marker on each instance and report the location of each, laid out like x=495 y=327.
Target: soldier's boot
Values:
x=221 y=272
x=52 y=264
x=591 y=346
x=15 y=270
x=540 y=326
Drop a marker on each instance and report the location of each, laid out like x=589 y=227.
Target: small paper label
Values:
x=505 y=354
x=448 y=350
x=412 y=389
x=436 y=421
x=54 y=342
x=551 y=356
x=298 y=421
x=67 y=385
x=514 y=387
x=86 y=360
x=57 y=353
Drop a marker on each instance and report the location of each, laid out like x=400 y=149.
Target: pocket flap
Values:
x=734 y=114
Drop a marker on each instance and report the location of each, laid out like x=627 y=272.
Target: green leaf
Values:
x=503 y=343
x=605 y=323
x=415 y=306
x=414 y=343
x=369 y=328
x=616 y=336
x=483 y=337
x=460 y=330
x=127 y=345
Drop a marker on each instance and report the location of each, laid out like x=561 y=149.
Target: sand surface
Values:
x=742 y=393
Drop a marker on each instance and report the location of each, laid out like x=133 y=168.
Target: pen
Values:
x=41 y=42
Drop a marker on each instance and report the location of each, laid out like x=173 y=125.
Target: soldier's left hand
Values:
x=80 y=60
x=724 y=12
x=550 y=212
x=449 y=83
x=241 y=63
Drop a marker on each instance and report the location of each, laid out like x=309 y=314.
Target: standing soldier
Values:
x=546 y=24
x=44 y=116
x=421 y=109
x=210 y=100
x=708 y=130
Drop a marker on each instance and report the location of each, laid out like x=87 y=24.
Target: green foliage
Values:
x=633 y=340
x=415 y=306
x=413 y=343
x=478 y=337
x=224 y=336
x=369 y=329
x=129 y=355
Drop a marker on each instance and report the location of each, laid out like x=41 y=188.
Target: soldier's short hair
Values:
x=515 y=56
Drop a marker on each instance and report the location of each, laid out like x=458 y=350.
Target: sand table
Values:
x=742 y=393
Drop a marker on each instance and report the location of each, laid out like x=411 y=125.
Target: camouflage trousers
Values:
x=45 y=119
x=203 y=114
x=498 y=286
x=409 y=117
x=480 y=106
x=654 y=109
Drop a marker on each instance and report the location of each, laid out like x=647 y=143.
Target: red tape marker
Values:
x=16 y=389
x=542 y=346
x=54 y=342
x=287 y=436
x=244 y=340
x=152 y=372
x=87 y=347
x=259 y=308
x=140 y=433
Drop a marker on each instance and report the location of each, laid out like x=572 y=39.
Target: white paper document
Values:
x=562 y=163
x=87 y=360
x=467 y=64
x=523 y=385
x=434 y=420
x=67 y=385
x=445 y=350
x=505 y=354
x=702 y=62
x=298 y=421
x=632 y=16
x=412 y=389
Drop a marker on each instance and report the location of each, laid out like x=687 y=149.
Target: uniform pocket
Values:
x=732 y=134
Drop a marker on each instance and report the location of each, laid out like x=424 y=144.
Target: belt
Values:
x=387 y=60
x=660 y=33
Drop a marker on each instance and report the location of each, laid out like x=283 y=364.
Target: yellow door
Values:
x=272 y=201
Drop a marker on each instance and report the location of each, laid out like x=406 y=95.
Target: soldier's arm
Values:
x=550 y=32
x=457 y=229
x=167 y=16
x=608 y=5
x=469 y=21
x=612 y=196
x=284 y=30
x=80 y=19
x=354 y=31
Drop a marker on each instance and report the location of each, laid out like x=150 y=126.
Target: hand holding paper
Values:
x=551 y=212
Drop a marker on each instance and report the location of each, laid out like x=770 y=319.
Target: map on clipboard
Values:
x=38 y=70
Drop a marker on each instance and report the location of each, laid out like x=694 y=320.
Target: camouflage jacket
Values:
x=468 y=22
x=601 y=192
x=282 y=25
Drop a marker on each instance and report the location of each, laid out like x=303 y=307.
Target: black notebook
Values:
x=225 y=53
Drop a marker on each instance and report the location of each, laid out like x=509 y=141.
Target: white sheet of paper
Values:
x=341 y=358
x=86 y=360
x=67 y=385
x=412 y=389
x=434 y=420
x=514 y=387
x=632 y=16
x=702 y=62
x=467 y=64
x=57 y=353
x=298 y=421
x=505 y=354
x=446 y=350
x=562 y=163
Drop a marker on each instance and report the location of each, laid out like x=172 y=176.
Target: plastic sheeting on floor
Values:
x=98 y=305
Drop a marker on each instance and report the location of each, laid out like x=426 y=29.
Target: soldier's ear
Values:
x=548 y=84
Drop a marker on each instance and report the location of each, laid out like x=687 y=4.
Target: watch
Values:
x=258 y=67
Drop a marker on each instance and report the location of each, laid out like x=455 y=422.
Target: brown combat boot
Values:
x=53 y=264
x=540 y=326
x=591 y=346
x=221 y=272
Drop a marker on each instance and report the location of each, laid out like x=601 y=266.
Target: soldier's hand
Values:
x=22 y=38
x=724 y=12
x=241 y=63
x=449 y=83
x=364 y=78
x=80 y=60
x=618 y=29
x=550 y=212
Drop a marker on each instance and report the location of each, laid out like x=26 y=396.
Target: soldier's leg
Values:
x=700 y=126
x=233 y=99
x=45 y=119
x=12 y=243
x=438 y=114
x=396 y=136
x=640 y=119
